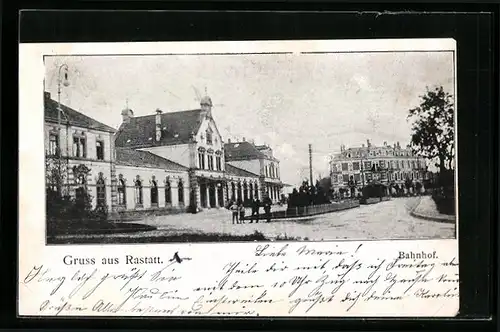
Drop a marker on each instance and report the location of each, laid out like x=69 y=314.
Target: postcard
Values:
x=298 y=178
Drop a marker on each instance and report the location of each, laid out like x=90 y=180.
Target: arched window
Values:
x=256 y=188
x=168 y=192
x=138 y=192
x=80 y=174
x=122 y=192
x=245 y=192
x=180 y=190
x=250 y=189
x=240 y=193
x=101 y=191
x=154 y=193
x=201 y=158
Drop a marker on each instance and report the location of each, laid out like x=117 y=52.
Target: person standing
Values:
x=255 y=211
x=241 y=209
x=234 y=210
x=267 y=207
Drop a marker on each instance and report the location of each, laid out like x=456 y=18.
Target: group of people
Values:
x=238 y=210
x=307 y=195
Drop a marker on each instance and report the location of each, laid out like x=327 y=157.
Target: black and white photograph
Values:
x=224 y=147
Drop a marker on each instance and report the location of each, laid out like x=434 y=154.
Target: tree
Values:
x=433 y=128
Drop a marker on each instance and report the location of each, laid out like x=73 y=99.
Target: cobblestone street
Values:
x=386 y=220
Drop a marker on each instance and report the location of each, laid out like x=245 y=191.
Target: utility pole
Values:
x=310 y=165
x=64 y=82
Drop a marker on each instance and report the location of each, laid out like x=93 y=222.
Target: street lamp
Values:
x=63 y=69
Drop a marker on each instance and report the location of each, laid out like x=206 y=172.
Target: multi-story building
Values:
x=160 y=163
x=190 y=139
x=120 y=179
x=79 y=153
x=390 y=165
x=258 y=160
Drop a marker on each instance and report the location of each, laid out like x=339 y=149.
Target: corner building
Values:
x=390 y=165
x=259 y=161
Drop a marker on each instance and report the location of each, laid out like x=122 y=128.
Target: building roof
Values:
x=75 y=118
x=177 y=128
x=242 y=151
x=138 y=158
x=235 y=171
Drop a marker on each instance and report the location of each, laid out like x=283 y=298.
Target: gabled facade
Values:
x=191 y=139
x=259 y=160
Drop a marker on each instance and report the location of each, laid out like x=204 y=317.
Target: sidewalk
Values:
x=426 y=209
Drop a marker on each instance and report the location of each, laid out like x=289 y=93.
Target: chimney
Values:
x=399 y=146
x=229 y=140
x=368 y=143
x=362 y=145
x=158 y=124
x=127 y=114
x=385 y=143
x=244 y=140
x=394 y=145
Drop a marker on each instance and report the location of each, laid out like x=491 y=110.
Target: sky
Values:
x=284 y=100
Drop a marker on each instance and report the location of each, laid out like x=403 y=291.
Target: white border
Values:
x=31 y=152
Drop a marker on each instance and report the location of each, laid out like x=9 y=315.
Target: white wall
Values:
x=217 y=144
x=95 y=167
x=66 y=140
x=252 y=166
x=130 y=173
x=178 y=153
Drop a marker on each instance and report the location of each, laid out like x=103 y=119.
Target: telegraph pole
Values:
x=310 y=165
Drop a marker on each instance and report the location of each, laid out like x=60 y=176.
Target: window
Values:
x=168 y=193
x=79 y=147
x=121 y=192
x=408 y=163
x=368 y=164
x=81 y=187
x=357 y=177
x=154 y=193
x=355 y=166
x=181 y=192
x=334 y=168
x=233 y=192
x=99 y=148
x=345 y=166
x=267 y=172
x=345 y=178
x=101 y=191
x=53 y=144
x=138 y=192
x=201 y=160
x=218 y=163
x=209 y=136
x=210 y=162
x=381 y=163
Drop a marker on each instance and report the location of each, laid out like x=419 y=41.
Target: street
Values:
x=385 y=220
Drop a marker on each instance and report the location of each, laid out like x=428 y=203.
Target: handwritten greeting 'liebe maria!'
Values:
x=346 y=279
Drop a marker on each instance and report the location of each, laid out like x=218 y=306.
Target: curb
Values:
x=449 y=220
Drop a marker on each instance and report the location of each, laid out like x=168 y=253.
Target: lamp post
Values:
x=61 y=81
